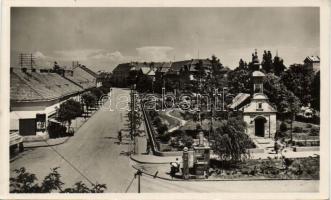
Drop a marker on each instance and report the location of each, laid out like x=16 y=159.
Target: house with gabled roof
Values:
x=35 y=97
x=313 y=62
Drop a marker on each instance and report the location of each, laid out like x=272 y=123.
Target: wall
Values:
x=269 y=126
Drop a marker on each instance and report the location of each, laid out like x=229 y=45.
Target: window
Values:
x=260 y=105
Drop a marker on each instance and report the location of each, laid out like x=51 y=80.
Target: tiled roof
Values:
x=82 y=78
x=35 y=86
x=177 y=66
x=237 y=100
x=124 y=67
x=190 y=64
x=312 y=59
x=95 y=75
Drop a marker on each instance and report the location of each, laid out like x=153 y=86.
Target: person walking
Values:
x=276 y=147
x=119 y=137
x=148 y=147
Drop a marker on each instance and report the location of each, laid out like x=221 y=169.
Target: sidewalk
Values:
x=151 y=159
x=46 y=143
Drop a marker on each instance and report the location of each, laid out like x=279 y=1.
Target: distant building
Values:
x=122 y=71
x=313 y=62
x=183 y=72
x=121 y=74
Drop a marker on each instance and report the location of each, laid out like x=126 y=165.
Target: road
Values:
x=94 y=151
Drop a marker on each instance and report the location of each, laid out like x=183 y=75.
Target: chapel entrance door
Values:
x=259 y=126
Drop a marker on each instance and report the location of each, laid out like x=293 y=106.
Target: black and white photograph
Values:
x=166 y=99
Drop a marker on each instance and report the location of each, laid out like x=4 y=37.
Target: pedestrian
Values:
x=119 y=137
x=148 y=147
x=276 y=147
x=174 y=168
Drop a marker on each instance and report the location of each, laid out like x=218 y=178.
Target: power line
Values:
x=75 y=168
x=127 y=189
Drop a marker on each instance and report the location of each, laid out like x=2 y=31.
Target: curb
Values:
x=68 y=137
x=142 y=162
x=49 y=145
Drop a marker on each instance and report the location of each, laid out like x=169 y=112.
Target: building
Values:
x=35 y=96
x=182 y=73
x=313 y=62
x=83 y=76
x=121 y=74
x=256 y=110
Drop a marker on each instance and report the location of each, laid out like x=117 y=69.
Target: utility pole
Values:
x=139 y=174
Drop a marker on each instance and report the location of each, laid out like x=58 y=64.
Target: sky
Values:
x=101 y=38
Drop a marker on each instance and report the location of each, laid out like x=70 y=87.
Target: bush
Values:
x=314 y=131
x=164 y=138
x=56 y=130
x=157 y=121
x=187 y=141
x=309 y=126
x=297 y=129
x=283 y=127
x=162 y=129
x=26 y=182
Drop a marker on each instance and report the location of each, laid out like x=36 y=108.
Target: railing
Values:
x=150 y=131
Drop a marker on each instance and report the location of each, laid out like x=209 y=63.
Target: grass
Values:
x=304 y=134
x=171 y=122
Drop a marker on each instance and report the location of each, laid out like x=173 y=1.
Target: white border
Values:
x=325 y=64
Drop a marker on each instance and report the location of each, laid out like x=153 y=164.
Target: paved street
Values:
x=95 y=152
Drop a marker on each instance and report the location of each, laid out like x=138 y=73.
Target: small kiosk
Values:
x=201 y=157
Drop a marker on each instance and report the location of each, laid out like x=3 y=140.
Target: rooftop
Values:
x=36 y=86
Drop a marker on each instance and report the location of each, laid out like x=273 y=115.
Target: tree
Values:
x=240 y=81
x=97 y=92
x=200 y=74
x=216 y=65
x=267 y=64
x=278 y=65
x=89 y=100
x=231 y=142
x=293 y=109
x=299 y=79
x=315 y=92
x=144 y=83
x=25 y=182
x=68 y=111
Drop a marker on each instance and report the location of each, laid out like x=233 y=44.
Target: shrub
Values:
x=56 y=130
x=162 y=129
x=26 y=182
x=314 y=131
x=164 y=138
x=297 y=129
x=309 y=126
x=157 y=121
x=187 y=141
x=283 y=127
